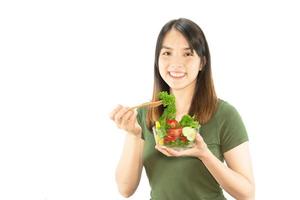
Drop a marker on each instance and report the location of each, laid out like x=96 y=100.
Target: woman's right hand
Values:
x=125 y=119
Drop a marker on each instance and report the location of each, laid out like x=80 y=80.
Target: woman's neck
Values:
x=183 y=101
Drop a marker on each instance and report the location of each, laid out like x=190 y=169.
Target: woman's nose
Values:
x=176 y=62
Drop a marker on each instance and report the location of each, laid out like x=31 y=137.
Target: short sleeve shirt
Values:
x=178 y=178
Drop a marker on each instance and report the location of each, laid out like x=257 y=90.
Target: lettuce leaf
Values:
x=189 y=121
x=169 y=110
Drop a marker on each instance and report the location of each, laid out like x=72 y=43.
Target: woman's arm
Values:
x=129 y=169
x=237 y=177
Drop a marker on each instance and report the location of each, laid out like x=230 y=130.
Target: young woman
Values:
x=182 y=67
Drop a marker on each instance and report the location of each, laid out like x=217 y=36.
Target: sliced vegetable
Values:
x=189 y=133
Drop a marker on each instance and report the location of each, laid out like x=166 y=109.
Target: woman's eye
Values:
x=188 y=54
x=166 y=53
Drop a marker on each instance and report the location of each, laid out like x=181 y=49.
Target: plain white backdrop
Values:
x=64 y=65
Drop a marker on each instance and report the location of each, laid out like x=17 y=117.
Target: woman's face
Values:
x=178 y=64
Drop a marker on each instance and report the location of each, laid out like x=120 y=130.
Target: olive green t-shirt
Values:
x=187 y=178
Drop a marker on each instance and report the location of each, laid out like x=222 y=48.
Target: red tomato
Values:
x=173 y=123
x=169 y=138
x=183 y=138
x=175 y=132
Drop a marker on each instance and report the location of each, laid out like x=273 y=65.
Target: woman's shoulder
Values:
x=225 y=108
x=231 y=126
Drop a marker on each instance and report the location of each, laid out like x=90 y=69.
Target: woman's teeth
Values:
x=177 y=74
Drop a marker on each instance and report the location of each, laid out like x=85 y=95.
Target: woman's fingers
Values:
x=199 y=140
x=113 y=113
x=167 y=151
x=163 y=150
x=127 y=115
x=120 y=114
x=133 y=117
x=174 y=152
x=126 y=118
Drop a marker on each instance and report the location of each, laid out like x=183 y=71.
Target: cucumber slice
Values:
x=189 y=133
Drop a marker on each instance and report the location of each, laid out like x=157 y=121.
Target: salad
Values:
x=172 y=133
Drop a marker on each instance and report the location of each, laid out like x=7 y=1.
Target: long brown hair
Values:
x=204 y=101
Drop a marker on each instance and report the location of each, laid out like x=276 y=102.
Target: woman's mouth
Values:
x=177 y=74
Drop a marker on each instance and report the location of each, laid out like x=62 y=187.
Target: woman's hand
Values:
x=200 y=149
x=125 y=119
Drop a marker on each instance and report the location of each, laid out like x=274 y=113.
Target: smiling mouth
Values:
x=177 y=74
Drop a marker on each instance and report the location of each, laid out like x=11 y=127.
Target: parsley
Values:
x=169 y=104
x=169 y=110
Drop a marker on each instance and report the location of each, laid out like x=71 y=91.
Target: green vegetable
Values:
x=189 y=121
x=169 y=111
x=169 y=104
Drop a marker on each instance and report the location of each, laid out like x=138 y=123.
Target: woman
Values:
x=182 y=67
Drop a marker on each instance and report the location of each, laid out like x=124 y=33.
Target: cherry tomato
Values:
x=173 y=123
x=183 y=138
x=169 y=138
x=175 y=132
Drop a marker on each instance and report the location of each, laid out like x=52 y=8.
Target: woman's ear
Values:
x=202 y=63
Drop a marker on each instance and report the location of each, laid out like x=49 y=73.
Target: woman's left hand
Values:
x=199 y=150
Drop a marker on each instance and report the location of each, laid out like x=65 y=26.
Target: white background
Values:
x=64 y=65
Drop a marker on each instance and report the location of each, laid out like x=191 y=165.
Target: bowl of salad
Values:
x=169 y=132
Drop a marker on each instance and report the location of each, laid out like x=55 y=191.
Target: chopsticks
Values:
x=150 y=104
